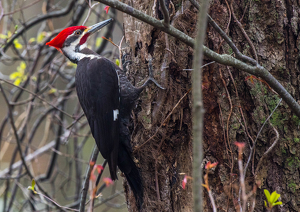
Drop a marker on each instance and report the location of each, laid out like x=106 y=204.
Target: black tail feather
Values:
x=132 y=174
x=134 y=180
x=112 y=168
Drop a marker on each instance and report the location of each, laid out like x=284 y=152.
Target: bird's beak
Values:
x=98 y=26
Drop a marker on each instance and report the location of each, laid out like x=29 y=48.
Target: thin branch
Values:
x=87 y=179
x=242 y=181
x=257 y=136
x=13 y=177
x=1 y=8
x=198 y=107
x=238 y=54
x=15 y=132
x=244 y=32
x=37 y=20
x=21 y=9
x=212 y=200
x=55 y=203
x=89 y=12
x=29 y=158
x=165 y=13
x=37 y=96
x=267 y=152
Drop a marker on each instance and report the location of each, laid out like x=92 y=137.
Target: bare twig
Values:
x=198 y=107
x=21 y=9
x=37 y=96
x=15 y=132
x=87 y=178
x=267 y=152
x=257 y=136
x=89 y=11
x=165 y=12
x=1 y=13
x=212 y=200
x=244 y=32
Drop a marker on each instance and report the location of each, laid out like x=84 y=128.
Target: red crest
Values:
x=59 y=40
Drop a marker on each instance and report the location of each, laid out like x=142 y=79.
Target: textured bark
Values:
x=165 y=158
x=273 y=28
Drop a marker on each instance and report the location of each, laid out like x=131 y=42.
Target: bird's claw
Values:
x=151 y=76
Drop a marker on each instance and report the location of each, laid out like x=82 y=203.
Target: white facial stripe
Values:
x=116 y=113
x=70 y=52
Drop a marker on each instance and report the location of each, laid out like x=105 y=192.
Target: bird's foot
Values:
x=151 y=77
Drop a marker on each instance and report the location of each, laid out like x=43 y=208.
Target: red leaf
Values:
x=240 y=145
x=99 y=168
x=210 y=165
x=108 y=181
x=184 y=181
x=106 y=8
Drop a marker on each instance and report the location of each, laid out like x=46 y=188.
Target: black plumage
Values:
x=107 y=98
x=101 y=88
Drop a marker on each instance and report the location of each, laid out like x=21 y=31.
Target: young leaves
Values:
x=272 y=199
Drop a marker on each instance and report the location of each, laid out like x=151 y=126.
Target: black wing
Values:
x=97 y=88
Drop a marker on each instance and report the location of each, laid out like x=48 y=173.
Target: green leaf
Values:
x=16 y=27
x=2 y=36
x=265 y=203
x=41 y=36
x=31 y=40
x=32 y=187
x=98 y=41
x=23 y=65
x=277 y=203
x=17 y=82
x=32 y=184
x=52 y=91
x=274 y=197
x=14 y=75
x=17 y=44
x=267 y=193
x=9 y=34
x=117 y=62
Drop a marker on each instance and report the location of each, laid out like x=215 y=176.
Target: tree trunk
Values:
x=236 y=108
x=166 y=157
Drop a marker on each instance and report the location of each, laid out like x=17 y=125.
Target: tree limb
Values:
x=224 y=59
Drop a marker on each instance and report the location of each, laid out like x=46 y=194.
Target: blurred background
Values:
x=38 y=82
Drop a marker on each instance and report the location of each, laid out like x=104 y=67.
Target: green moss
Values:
x=278 y=118
x=146 y=119
x=296 y=140
x=292 y=186
x=293 y=162
x=296 y=120
x=285 y=129
x=263 y=120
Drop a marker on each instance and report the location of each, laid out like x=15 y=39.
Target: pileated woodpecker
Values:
x=107 y=98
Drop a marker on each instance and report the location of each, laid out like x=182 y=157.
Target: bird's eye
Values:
x=78 y=32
